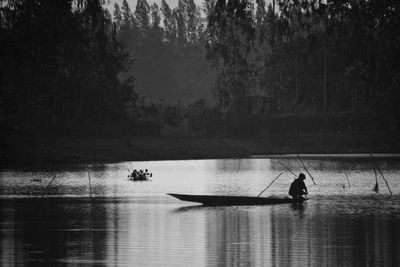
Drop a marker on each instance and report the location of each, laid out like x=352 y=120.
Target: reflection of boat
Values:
x=210 y=200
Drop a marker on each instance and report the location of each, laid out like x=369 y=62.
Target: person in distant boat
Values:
x=298 y=188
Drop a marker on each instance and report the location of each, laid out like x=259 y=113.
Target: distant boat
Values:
x=210 y=200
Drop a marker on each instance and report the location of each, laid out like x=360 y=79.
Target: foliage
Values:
x=229 y=45
x=308 y=56
x=60 y=62
x=140 y=175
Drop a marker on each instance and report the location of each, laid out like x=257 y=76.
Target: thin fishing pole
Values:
x=47 y=187
x=287 y=168
x=376 y=187
x=271 y=183
x=304 y=166
x=345 y=171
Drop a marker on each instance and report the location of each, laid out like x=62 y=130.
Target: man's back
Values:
x=297 y=187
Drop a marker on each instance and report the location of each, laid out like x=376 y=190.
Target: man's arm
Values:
x=304 y=187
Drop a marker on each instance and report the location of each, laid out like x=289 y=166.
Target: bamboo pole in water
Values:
x=271 y=183
x=345 y=171
x=287 y=168
x=376 y=176
x=304 y=166
x=390 y=191
x=90 y=185
x=47 y=187
x=91 y=202
x=376 y=187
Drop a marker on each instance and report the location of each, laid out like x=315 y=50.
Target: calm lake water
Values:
x=137 y=224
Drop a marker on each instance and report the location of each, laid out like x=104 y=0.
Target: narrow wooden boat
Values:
x=210 y=200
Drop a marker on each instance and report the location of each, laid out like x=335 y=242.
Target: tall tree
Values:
x=68 y=55
x=155 y=16
x=142 y=14
x=126 y=13
x=169 y=23
x=117 y=16
x=181 y=30
x=231 y=34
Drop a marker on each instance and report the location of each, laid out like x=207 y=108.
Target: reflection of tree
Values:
x=307 y=235
x=49 y=231
x=230 y=240
x=234 y=165
x=338 y=240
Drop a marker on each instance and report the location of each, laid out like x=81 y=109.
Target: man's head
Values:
x=302 y=176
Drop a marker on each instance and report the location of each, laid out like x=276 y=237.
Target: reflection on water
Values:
x=136 y=224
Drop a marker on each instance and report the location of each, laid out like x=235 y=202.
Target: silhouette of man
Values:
x=298 y=187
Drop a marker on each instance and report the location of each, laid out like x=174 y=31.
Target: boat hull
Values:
x=210 y=200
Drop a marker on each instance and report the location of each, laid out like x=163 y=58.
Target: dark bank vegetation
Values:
x=22 y=151
x=290 y=69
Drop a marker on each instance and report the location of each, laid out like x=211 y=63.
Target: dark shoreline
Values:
x=20 y=150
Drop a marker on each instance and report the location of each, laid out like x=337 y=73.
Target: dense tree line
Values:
x=73 y=61
x=309 y=56
x=60 y=65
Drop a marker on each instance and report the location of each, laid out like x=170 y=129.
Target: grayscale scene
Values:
x=199 y=133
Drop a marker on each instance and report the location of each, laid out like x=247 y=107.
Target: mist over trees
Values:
x=167 y=48
x=306 y=56
x=73 y=61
